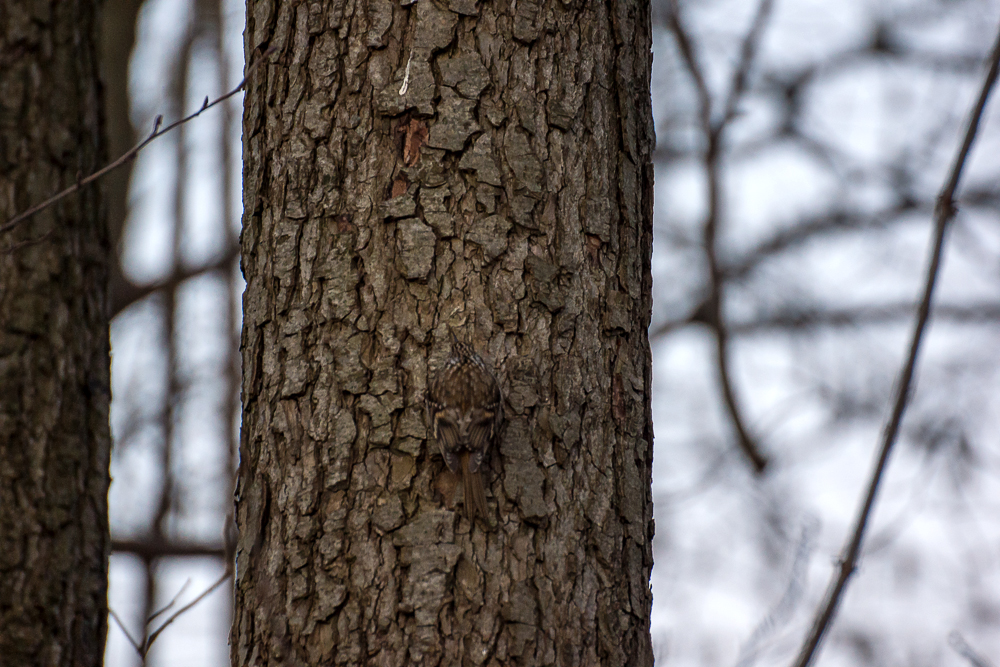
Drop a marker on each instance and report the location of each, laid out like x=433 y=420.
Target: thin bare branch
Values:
x=21 y=217
x=24 y=244
x=173 y=601
x=130 y=155
x=747 y=443
x=189 y=605
x=714 y=132
x=943 y=214
x=142 y=648
x=691 y=62
x=128 y=635
x=741 y=74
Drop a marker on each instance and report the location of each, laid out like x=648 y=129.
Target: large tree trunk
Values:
x=409 y=168
x=54 y=364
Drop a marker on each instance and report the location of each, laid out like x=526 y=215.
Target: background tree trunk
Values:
x=414 y=167
x=54 y=363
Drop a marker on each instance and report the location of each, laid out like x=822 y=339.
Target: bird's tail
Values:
x=475 y=492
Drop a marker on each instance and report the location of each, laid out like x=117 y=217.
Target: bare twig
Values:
x=189 y=605
x=742 y=72
x=128 y=635
x=943 y=214
x=714 y=131
x=747 y=443
x=691 y=62
x=173 y=601
x=24 y=244
x=130 y=155
x=142 y=648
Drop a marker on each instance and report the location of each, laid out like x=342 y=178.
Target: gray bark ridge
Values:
x=414 y=168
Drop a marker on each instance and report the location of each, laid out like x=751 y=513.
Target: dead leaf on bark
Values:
x=399 y=186
x=594 y=249
x=415 y=136
x=618 y=398
x=345 y=224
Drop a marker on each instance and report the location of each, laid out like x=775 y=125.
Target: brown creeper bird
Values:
x=465 y=411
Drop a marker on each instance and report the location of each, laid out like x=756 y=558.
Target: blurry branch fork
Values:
x=943 y=213
x=128 y=156
x=711 y=313
x=142 y=647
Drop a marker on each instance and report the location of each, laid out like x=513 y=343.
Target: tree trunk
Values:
x=54 y=364
x=412 y=168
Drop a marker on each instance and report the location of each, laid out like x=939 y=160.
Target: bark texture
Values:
x=54 y=361
x=411 y=167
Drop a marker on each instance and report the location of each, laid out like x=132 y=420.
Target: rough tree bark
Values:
x=54 y=363
x=411 y=167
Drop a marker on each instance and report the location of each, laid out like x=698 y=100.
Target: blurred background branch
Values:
x=944 y=213
x=710 y=312
x=176 y=297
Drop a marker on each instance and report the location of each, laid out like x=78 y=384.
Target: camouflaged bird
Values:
x=465 y=411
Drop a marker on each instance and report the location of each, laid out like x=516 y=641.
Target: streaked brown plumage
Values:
x=465 y=410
